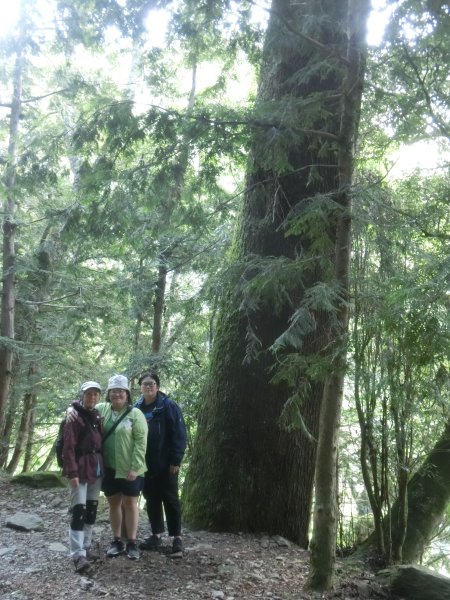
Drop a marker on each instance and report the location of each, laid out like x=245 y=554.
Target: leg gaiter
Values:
x=91 y=511
x=78 y=516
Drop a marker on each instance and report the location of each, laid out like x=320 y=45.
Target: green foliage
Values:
x=87 y=21
x=301 y=323
x=400 y=329
x=409 y=73
x=291 y=417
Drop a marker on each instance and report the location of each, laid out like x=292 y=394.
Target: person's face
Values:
x=90 y=397
x=149 y=389
x=118 y=398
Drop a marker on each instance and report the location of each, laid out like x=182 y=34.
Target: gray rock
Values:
x=25 y=522
x=281 y=541
x=56 y=501
x=365 y=589
x=258 y=577
x=199 y=547
x=227 y=569
x=57 y=547
x=85 y=583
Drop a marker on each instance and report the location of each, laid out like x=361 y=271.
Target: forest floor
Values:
x=35 y=565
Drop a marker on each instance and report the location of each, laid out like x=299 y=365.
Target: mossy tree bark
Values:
x=247 y=473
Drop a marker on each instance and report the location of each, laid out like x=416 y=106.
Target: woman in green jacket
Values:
x=124 y=458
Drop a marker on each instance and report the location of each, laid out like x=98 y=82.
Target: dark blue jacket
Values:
x=166 y=440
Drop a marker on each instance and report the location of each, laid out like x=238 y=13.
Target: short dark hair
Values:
x=154 y=376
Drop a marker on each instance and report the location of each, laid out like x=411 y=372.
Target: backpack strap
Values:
x=110 y=431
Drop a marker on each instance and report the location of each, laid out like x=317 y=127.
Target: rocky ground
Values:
x=35 y=564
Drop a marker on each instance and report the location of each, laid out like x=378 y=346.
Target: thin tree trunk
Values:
x=158 y=306
x=23 y=432
x=29 y=445
x=49 y=459
x=7 y=329
x=168 y=206
x=323 y=543
x=27 y=417
x=167 y=333
x=428 y=498
x=6 y=443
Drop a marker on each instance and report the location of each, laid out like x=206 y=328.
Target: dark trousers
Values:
x=159 y=491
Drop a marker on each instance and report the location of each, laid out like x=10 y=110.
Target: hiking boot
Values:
x=82 y=565
x=177 y=548
x=151 y=543
x=91 y=555
x=116 y=547
x=132 y=551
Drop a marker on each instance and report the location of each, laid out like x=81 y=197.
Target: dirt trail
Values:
x=36 y=565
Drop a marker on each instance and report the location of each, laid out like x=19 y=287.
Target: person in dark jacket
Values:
x=165 y=450
x=83 y=466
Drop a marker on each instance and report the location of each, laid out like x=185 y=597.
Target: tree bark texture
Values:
x=323 y=543
x=158 y=306
x=247 y=473
x=8 y=429
x=29 y=401
x=8 y=254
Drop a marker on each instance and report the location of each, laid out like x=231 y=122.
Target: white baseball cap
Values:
x=90 y=384
x=118 y=382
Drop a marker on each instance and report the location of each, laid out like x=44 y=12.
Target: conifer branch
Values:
x=49 y=302
x=312 y=42
x=34 y=98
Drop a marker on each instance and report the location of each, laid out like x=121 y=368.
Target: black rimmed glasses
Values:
x=148 y=384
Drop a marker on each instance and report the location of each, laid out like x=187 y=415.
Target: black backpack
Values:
x=59 y=444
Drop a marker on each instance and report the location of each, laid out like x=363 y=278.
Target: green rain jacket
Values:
x=124 y=450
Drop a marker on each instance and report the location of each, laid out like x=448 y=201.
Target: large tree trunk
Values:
x=247 y=473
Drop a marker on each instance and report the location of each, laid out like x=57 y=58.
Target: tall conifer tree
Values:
x=269 y=361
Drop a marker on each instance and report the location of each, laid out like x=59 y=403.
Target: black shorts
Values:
x=112 y=486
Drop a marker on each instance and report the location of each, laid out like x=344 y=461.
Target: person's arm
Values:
x=70 y=463
x=139 y=432
x=176 y=431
